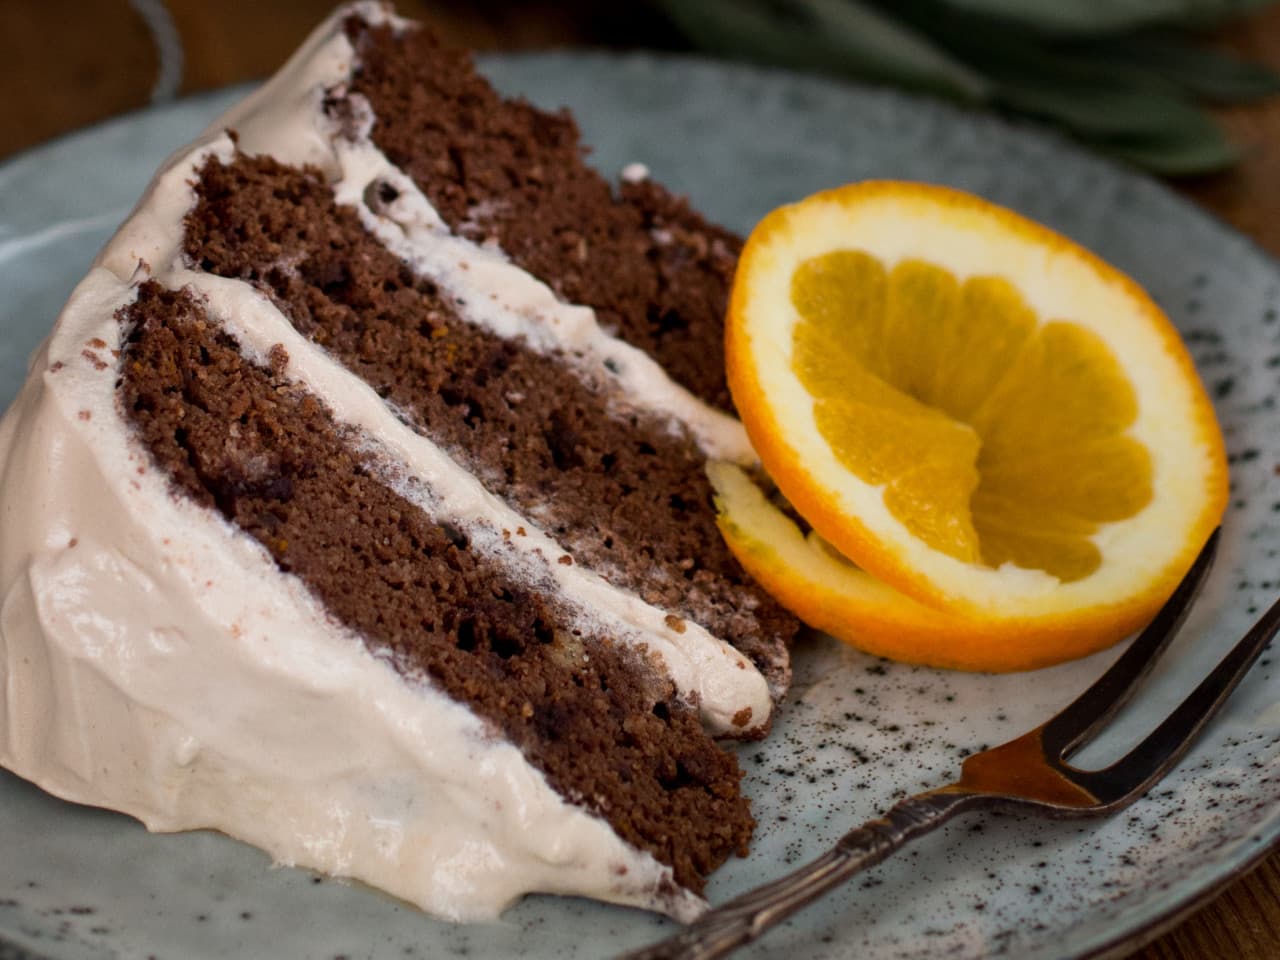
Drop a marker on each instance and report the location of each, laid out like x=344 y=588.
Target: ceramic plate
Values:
x=857 y=732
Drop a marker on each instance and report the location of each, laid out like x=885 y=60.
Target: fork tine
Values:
x=1090 y=711
x=1165 y=746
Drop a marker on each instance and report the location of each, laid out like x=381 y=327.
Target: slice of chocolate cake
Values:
x=357 y=504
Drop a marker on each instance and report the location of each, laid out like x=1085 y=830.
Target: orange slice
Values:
x=976 y=412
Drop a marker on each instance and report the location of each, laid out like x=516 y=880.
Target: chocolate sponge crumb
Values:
x=619 y=489
x=606 y=730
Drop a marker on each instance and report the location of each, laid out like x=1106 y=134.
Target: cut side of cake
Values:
x=357 y=505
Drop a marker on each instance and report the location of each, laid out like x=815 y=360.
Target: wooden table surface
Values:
x=68 y=63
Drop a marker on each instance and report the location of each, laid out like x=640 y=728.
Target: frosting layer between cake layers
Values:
x=157 y=661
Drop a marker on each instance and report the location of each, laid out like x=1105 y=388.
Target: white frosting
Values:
x=156 y=662
x=186 y=681
x=711 y=672
x=494 y=293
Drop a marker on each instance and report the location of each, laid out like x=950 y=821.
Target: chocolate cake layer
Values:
x=654 y=271
x=605 y=729
x=621 y=490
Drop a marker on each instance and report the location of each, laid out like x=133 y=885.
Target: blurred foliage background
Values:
x=1132 y=78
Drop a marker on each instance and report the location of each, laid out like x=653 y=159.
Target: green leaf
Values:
x=1198 y=70
x=1100 y=112
x=1159 y=132
x=1040 y=77
x=1096 y=100
x=1188 y=156
x=1085 y=17
x=840 y=36
x=1131 y=95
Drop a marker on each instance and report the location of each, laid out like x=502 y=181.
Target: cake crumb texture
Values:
x=607 y=731
x=621 y=490
x=656 y=273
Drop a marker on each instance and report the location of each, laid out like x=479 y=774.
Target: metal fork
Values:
x=1030 y=772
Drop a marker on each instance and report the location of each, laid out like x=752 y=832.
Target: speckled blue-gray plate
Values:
x=857 y=732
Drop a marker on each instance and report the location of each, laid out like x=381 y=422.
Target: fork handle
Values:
x=746 y=917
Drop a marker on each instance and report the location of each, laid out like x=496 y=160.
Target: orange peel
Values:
x=987 y=420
